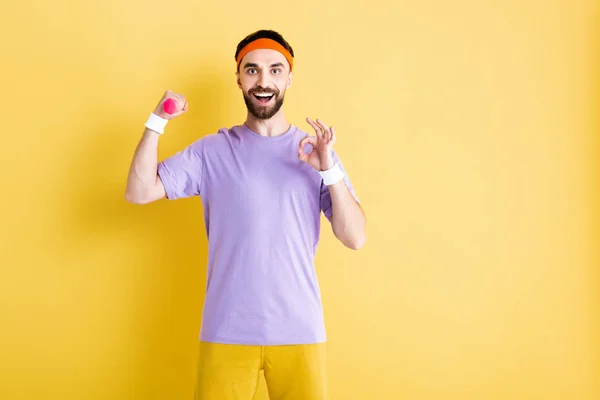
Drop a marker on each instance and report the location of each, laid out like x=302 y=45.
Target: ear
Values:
x=239 y=82
x=289 y=81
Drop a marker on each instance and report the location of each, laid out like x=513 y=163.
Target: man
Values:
x=263 y=185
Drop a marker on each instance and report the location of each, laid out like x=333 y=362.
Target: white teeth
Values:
x=263 y=94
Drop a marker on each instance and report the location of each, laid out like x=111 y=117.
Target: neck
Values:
x=275 y=126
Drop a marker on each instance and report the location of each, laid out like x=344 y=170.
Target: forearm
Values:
x=348 y=220
x=143 y=169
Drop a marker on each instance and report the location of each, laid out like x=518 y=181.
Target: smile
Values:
x=264 y=98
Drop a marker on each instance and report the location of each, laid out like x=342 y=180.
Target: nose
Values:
x=263 y=80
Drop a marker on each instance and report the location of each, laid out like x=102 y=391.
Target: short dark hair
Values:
x=263 y=34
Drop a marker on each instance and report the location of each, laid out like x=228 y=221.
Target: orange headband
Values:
x=265 y=44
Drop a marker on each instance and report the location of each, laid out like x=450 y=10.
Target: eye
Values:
x=251 y=71
x=276 y=71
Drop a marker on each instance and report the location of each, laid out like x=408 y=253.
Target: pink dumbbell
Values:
x=170 y=106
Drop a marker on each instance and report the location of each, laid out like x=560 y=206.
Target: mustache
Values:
x=261 y=90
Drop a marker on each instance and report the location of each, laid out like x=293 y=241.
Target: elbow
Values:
x=134 y=198
x=357 y=243
x=130 y=198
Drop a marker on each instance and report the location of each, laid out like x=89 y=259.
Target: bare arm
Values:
x=143 y=182
x=348 y=219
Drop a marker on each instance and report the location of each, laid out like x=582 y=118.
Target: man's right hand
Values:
x=182 y=105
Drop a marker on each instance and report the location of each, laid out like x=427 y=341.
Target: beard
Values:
x=267 y=110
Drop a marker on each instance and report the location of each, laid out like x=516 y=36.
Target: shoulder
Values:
x=214 y=141
x=224 y=137
x=300 y=132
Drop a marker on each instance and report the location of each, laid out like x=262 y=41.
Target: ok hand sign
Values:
x=321 y=156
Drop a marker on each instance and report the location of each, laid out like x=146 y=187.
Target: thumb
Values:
x=182 y=111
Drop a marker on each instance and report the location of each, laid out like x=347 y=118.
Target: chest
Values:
x=261 y=175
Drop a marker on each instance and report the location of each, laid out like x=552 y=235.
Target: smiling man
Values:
x=263 y=185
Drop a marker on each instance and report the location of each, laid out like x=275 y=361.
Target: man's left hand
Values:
x=321 y=156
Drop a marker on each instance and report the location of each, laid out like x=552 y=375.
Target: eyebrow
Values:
x=253 y=65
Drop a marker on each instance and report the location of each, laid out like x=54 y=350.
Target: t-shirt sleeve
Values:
x=181 y=174
x=326 y=205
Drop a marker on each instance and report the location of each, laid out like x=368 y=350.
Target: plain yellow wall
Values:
x=468 y=128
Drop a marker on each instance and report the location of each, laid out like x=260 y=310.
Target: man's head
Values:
x=264 y=71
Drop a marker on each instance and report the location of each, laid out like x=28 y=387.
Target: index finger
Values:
x=308 y=139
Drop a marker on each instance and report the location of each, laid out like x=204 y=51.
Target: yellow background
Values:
x=469 y=129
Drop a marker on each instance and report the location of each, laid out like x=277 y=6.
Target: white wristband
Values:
x=332 y=175
x=156 y=123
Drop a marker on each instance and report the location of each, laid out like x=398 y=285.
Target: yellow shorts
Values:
x=231 y=372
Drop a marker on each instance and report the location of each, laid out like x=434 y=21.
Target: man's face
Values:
x=264 y=76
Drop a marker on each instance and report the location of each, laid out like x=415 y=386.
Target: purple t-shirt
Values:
x=262 y=216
